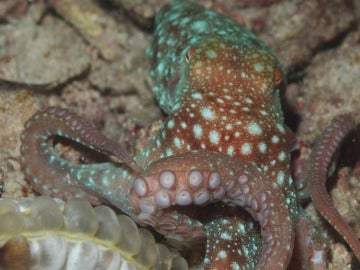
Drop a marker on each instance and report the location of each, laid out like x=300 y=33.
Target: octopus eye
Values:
x=277 y=76
x=189 y=54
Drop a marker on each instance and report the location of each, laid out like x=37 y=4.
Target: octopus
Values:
x=217 y=171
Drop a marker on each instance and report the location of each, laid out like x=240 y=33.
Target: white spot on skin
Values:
x=177 y=142
x=275 y=139
x=211 y=53
x=248 y=100
x=226 y=236
x=280 y=178
x=197 y=96
x=254 y=129
x=290 y=180
x=241 y=228
x=262 y=147
x=230 y=150
x=219 y=100
x=222 y=254
x=259 y=67
x=199 y=26
x=160 y=68
x=183 y=125
x=214 y=137
x=207 y=113
x=169 y=152
x=197 y=131
x=282 y=156
x=170 y=124
x=264 y=88
x=246 y=149
x=280 y=128
x=235 y=266
x=198 y=63
x=288 y=201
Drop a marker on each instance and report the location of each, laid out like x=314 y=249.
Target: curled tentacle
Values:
x=52 y=175
x=78 y=130
x=331 y=139
x=204 y=177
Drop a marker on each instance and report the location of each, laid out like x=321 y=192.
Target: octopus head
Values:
x=218 y=63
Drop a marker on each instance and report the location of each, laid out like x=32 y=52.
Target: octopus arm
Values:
x=339 y=128
x=203 y=177
x=52 y=175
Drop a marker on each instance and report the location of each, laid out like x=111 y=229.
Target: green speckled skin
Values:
x=179 y=27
